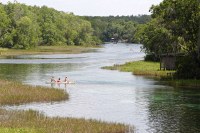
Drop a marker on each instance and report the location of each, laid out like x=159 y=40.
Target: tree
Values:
x=26 y=33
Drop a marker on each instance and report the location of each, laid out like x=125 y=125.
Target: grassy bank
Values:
x=152 y=69
x=46 y=50
x=35 y=122
x=141 y=68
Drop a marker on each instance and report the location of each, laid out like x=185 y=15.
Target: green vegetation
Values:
x=141 y=68
x=174 y=28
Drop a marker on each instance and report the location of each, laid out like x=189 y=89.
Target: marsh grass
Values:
x=141 y=68
x=46 y=50
x=17 y=93
x=34 y=122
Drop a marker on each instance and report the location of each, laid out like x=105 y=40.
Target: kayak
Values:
x=70 y=82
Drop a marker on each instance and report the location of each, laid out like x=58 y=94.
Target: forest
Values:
x=25 y=27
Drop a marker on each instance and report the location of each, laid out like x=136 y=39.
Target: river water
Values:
x=107 y=95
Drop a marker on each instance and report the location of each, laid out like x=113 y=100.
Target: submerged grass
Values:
x=34 y=122
x=185 y=83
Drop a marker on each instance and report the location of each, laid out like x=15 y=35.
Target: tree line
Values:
x=118 y=27
x=174 y=28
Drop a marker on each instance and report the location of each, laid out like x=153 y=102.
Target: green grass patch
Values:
x=141 y=68
x=17 y=93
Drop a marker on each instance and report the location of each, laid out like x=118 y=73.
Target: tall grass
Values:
x=34 y=122
x=17 y=93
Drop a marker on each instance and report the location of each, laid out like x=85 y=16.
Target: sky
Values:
x=96 y=7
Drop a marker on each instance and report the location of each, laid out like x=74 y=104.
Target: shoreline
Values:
x=5 y=52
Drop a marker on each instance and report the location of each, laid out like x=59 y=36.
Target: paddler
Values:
x=52 y=79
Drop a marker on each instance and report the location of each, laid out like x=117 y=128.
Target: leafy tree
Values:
x=182 y=18
x=156 y=39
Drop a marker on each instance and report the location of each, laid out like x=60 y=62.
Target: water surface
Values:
x=108 y=95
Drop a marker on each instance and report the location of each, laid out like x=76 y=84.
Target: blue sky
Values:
x=96 y=7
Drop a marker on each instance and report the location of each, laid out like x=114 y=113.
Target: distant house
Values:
x=167 y=61
x=114 y=40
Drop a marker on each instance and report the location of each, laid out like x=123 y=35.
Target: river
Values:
x=107 y=95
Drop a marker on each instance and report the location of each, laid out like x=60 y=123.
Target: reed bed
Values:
x=34 y=122
x=17 y=93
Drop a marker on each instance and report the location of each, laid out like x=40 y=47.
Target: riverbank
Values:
x=12 y=93
x=152 y=69
x=46 y=50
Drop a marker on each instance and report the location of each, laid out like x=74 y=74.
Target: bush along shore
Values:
x=152 y=69
x=12 y=121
